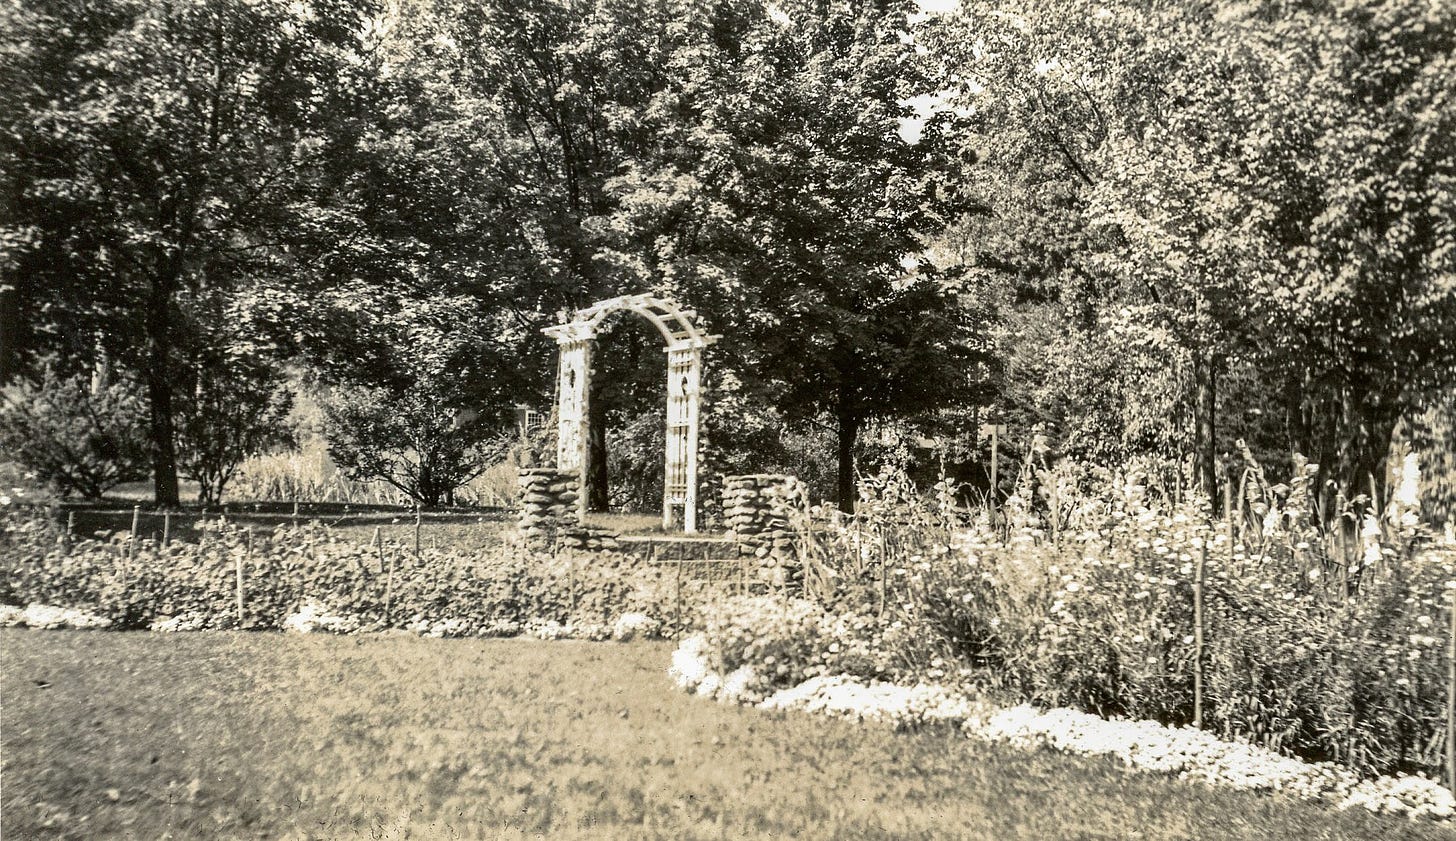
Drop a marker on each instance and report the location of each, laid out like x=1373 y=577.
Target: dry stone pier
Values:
x=759 y=513
x=549 y=513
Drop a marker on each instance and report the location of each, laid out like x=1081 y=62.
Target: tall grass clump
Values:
x=1325 y=633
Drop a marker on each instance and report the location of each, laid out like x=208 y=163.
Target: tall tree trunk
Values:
x=9 y=332
x=849 y=424
x=1205 y=408
x=596 y=455
x=159 y=391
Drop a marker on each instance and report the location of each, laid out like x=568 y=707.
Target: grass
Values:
x=231 y=735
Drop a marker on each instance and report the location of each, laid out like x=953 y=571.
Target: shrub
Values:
x=412 y=440
x=78 y=438
x=234 y=408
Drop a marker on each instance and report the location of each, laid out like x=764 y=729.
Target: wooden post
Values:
x=166 y=527
x=70 y=527
x=388 y=587
x=1451 y=697
x=677 y=614
x=884 y=582
x=1228 y=514
x=994 y=465
x=295 y=511
x=417 y=531
x=136 y=514
x=248 y=553
x=1198 y=635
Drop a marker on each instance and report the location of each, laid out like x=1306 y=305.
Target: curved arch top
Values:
x=672 y=321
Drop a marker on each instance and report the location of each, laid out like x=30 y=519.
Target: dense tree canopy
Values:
x=1139 y=227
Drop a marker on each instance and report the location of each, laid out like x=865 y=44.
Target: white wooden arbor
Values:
x=685 y=345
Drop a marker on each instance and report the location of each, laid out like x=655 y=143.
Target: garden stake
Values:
x=1451 y=698
x=1198 y=636
x=1228 y=515
x=240 y=576
x=388 y=587
x=677 y=620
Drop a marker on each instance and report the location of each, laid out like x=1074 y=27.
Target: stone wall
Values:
x=758 y=512
x=549 y=513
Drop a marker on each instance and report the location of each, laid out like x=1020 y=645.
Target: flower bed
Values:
x=1319 y=641
x=306 y=578
x=1141 y=745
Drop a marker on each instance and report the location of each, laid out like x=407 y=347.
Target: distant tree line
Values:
x=1138 y=228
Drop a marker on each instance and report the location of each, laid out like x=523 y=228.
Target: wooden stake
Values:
x=1451 y=698
x=677 y=615
x=249 y=553
x=1228 y=515
x=70 y=527
x=995 y=497
x=1198 y=635
x=166 y=527
x=136 y=514
x=388 y=589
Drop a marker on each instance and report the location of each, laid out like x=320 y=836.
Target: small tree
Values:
x=423 y=405
x=236 y=408
x=81 y=435
x=413 y=441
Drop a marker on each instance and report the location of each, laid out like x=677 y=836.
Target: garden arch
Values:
x=685 y=343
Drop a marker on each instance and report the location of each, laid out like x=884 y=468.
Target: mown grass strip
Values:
x=231 y=735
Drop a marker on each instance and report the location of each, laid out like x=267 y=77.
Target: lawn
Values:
x=238 y=735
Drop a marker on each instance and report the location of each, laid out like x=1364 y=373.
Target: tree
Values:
x=784 y=204
x=232 y=398
x=174 y=146
x=425 y=405
x=80 y=434
x=1288 y=170
x=1263 y=184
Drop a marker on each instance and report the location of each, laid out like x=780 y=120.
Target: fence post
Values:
x=677 y=613
x=166 y=528
x=1198 y=634
x=247 y=553
x=1451 y=697
x=884 y=579
x=388 y=588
